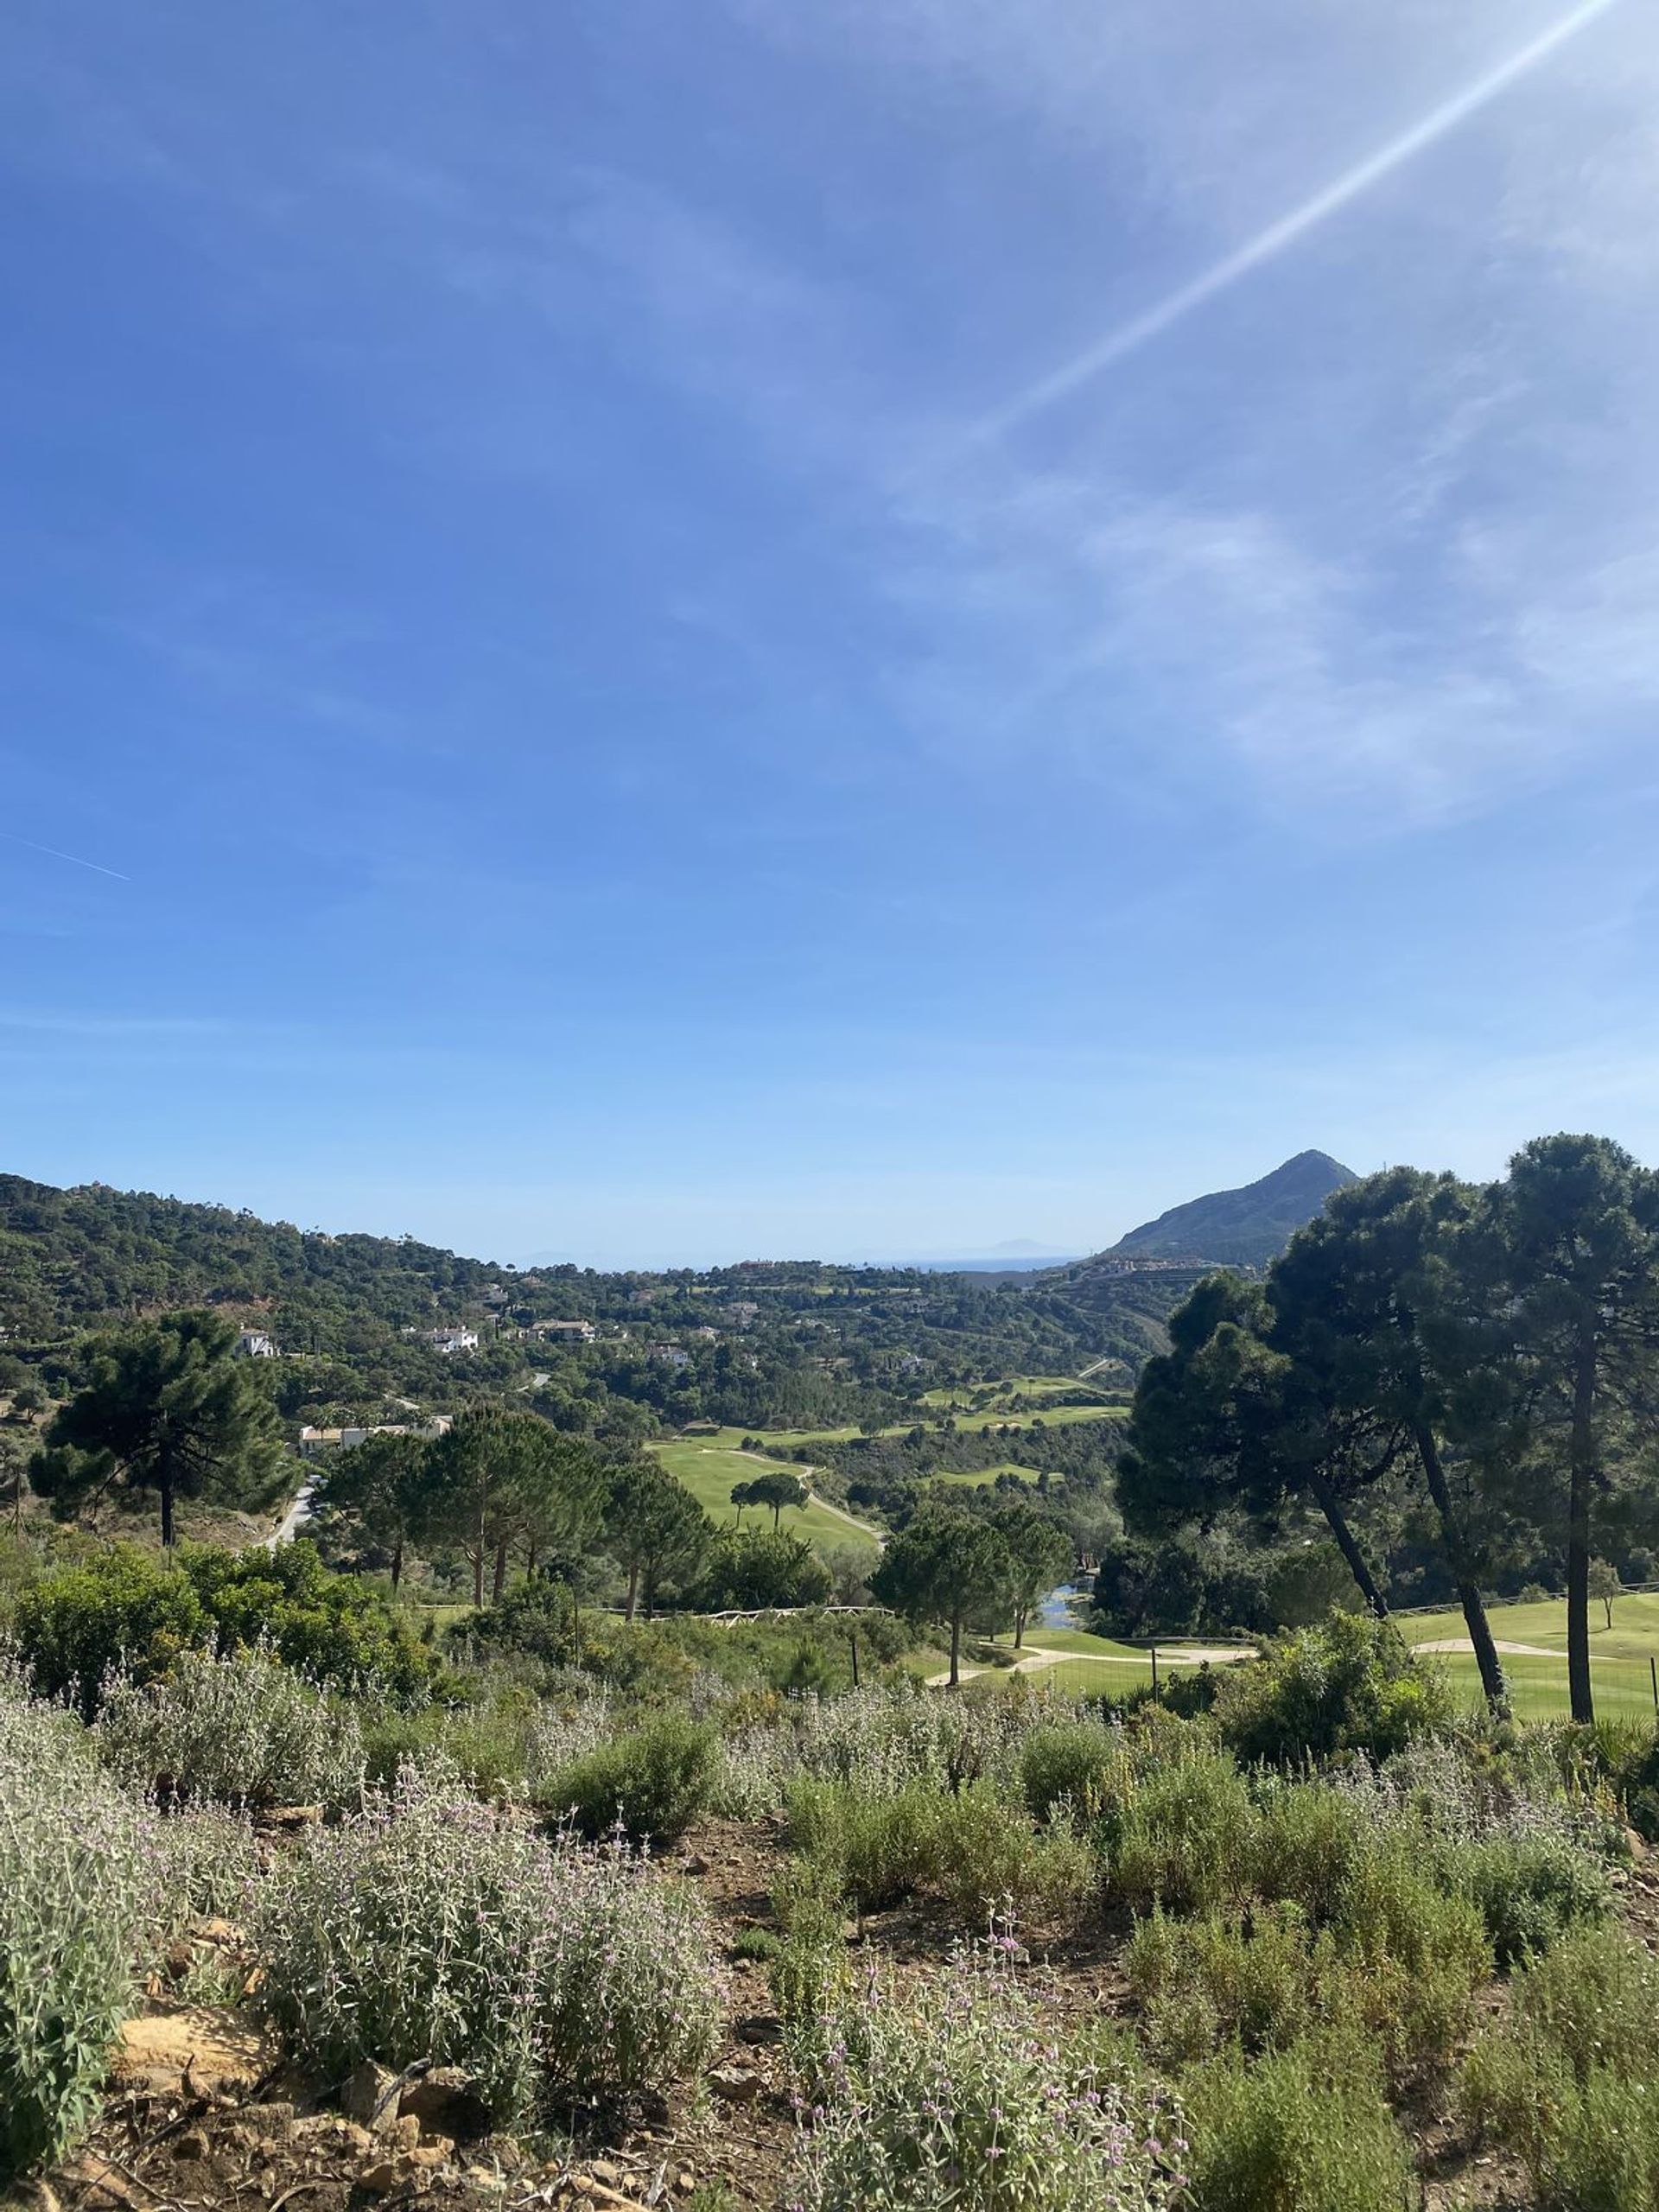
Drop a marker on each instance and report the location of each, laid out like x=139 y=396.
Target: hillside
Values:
x=1246 y=1228
x=793 y=1343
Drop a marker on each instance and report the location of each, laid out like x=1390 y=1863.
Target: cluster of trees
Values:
x=960 y=1570
x=1485 y=1358
x=168 y=1413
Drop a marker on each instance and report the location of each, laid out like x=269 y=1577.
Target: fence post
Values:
x=1653 y=1670
x=1155 y=1670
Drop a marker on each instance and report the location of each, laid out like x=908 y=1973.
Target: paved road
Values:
x=297 y=1514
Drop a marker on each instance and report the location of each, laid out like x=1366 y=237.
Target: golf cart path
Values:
x=1508 y=1650
x=1038 y=1660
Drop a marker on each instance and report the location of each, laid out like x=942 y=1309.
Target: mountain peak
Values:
x=1243 y=1228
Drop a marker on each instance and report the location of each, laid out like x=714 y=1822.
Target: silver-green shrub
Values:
x=240 y=1729
x=76 y=1895
x=962 y=2095
x=431 y=1926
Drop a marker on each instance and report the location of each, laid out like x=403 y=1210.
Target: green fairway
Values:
x=709 y=1471
x=1619 y=1655
x=1634 y=1634
x=976 y=1477
x=1622 y=1688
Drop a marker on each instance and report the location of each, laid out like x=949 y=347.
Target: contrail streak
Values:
x=75 y=859
x=1274 y=241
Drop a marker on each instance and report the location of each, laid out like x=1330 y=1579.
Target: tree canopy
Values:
x=167 y=1409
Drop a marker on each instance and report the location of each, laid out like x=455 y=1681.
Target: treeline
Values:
x=785 y=1343
x=1431 y=1364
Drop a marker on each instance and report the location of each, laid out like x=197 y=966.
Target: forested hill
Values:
x=1246 y=1228
x=68 y=1258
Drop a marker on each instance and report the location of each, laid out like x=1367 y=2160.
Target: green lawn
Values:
x=1634 y=1634
x=973 y=1479
x=708 y=1469
x=1619 y=1655
x=1622 y=1688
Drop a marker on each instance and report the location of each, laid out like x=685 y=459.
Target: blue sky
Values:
x=705 y=628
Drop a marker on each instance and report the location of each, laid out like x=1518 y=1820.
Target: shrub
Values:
x=432 y=1927
x=960 y=2098
x=128 y=1613
x=335 y=1628
x=810 y=1978
x=81 y=1625
x=1349 y=1684
x=1203 y=1983
x=989 y=1860
x=763 y=1944
x=237 y=1731
x=1418 y=1954
x=1306 y=1841
x=1065 y=1768
x=1571 y=2082
x=652 y=1784
x=872 y=1850
x=1304 y=2129
x=1186 y=1835
x=1530 y=1889
x=75 y=1890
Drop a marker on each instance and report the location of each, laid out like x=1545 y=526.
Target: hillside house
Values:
x=563 y=1333
x=673 y=1355
x=743 y=1314
x=456 y=1337
x=313 y=1442
x=256 y=1344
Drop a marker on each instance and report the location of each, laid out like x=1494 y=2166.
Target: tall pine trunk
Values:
x=956 y=1651
x=1581 y=1485
x=1460 y=1558
x=1348 y=1545
x=633 y=1592
x=478 y=1578
x=498 y=1580
x=396 y=1565
x=165 y=1486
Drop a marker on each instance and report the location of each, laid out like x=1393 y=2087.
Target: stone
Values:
x=404 y=2133
x=289 y=1819
x=759 y=2027
x=734 y=2085
x=371 y=2097
x=446 y=2101
x=213 y=2044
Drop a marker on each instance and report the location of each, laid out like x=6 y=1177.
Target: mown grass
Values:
x=1634 y=1634
x=1619 y=1655
x=710 y=1471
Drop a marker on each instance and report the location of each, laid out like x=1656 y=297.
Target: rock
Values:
x=289 y=1819
x=694 y=1862
x=607 y=2175
x=685 y=2181
x=506 y=2151
x=381 y=2178
x=446 y=2101
x=734 y=2085
x=328 y=2128
x=759 y=2027
x=404 y=2133
x=371 y=2097
x=214 y=2044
